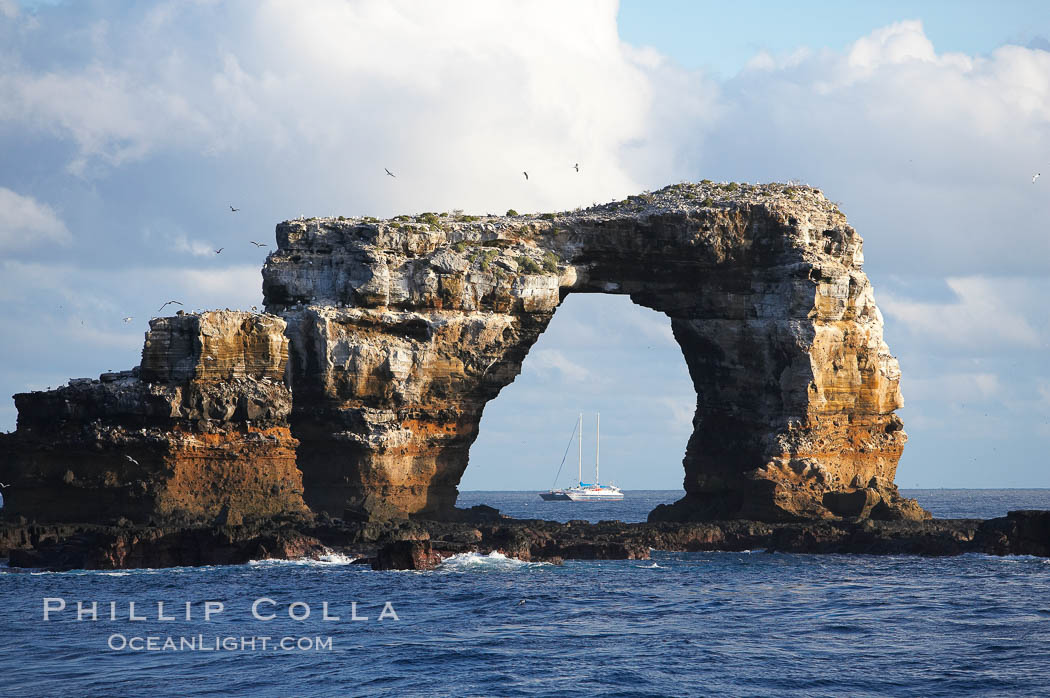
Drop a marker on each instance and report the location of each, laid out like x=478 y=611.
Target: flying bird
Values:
x=257 y=244
x=131 y=459
x=526 y=175
x=234 y=209
x=1035 y=177
x=577 y=167
x=128 y=319
x=389 y=173
x=167 y=304
x=219 y=250
x=4 y=485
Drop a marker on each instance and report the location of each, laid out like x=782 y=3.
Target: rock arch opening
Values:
x=601 y=352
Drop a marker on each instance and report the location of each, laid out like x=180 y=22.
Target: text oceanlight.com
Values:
x=218 y=643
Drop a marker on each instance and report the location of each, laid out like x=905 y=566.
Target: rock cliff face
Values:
x=402 y=330
x=198 y=430
x=397 y=333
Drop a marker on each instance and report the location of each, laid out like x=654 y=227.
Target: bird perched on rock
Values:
x=167 y=304
x=234 y=210
x=389 y=173
x=526 y=175
x=257 y=244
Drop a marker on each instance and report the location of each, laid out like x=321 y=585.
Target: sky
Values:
x=128 y=130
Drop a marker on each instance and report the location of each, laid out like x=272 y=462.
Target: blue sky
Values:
x=129 y=128
x=722 y=37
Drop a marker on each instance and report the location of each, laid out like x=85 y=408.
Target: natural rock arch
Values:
x=401 y=331
x=394 y=335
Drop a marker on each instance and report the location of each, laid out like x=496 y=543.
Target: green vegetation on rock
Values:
x=550 y=262
x=528 y=265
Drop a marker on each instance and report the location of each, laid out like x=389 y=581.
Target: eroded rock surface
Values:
x=198 y=430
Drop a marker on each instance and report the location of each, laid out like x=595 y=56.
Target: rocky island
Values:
x=344 y=413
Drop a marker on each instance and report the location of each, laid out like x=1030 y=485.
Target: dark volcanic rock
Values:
x=406 y=555
x=422 y=545
x=110 y=547
x=1024 y=532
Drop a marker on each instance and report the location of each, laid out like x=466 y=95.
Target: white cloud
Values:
x=197 y=248
x=682 y=412
x=931 y=154
x=954 y=388
x=552 y=361
x=897 y=43
x=989 y=313
x=25 y=222
x=456 y=100
x=103 y=297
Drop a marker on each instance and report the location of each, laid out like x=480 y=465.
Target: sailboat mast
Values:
x=597 y=438
x=579 y=463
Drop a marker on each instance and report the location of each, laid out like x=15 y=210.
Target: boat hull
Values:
x=583 y=494
x=554 y=497
x=612 y=497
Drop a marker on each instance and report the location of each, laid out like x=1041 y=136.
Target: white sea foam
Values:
x=329 y=559
x=476 y=562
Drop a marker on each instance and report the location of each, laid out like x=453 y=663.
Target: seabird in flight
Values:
x=1035 y=177
x=577 y=167
x=257 y=244
x=131 y=459
x=167 y=304
x=219 y=250
x=128 y=319
x=234 y=209
x=526 y=175
x=389 y=173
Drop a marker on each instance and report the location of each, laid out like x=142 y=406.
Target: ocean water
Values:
x=680 y=624
x=636 y=505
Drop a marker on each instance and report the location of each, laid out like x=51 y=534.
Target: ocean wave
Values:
x=329 y=559
x=477 y=562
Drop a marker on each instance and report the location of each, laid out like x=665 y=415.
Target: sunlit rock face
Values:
x=402 y=330
x=199 y=430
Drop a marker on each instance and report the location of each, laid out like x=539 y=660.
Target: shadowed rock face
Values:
x=401 y=331
x=198 y=430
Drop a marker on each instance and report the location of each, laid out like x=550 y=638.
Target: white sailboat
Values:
x=585 y=491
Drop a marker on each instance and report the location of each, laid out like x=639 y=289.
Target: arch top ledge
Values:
x=642 y=244
x=398 y=332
